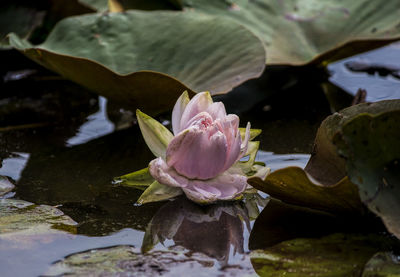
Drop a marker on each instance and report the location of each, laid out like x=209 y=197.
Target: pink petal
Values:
x=201 y=120
x=199 y=103
x=217 y=110
x=178 y=110
x=160 y=171
x=230 y=129
x=224 y=187
x=197 y=153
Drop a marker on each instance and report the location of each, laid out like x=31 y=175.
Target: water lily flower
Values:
x=202 y=156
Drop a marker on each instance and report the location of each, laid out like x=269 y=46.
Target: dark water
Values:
x=63 y=146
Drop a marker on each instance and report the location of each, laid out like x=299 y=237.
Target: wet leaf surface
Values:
x=299 y=32
x=128 y=64
x=370 y=145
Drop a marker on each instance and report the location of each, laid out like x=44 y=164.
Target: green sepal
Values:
x=158 y=192
x=140 y=179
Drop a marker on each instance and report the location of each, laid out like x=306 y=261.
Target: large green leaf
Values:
x=371 y=146
x=333 y=255
x=135 y=56
x=297 y=32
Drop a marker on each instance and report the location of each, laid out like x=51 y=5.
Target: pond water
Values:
x=61 y=146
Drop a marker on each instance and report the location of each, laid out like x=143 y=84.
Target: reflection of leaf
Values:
x=333 y=255
x=371 y=146
x=292 y=185
x=382 y=264
x=23 y=223
x=200 y=51
x=298 y=32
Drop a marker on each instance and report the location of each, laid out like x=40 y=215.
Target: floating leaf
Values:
x=127 y=56
x=298 y=32
x=382 y=264
x=333 y=255
x=23 y=223
x=371 y=146
x=292 y=185
x=158 y=192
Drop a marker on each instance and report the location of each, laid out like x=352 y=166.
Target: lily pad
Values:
x=325 y=164
x=137 y=57
x=23 y=223
x=294 y=186
x=334 y=255
x=371 y=146
x=382 y=264
x=298 y=32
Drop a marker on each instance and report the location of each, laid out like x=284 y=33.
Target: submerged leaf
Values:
x=299 y=32
x=158 y=192
x=138 y=57
x=23 y=224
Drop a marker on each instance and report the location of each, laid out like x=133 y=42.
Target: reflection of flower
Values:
x=212 y=230
x=201 y=157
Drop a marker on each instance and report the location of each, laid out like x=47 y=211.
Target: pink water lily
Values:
x=200 y=157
